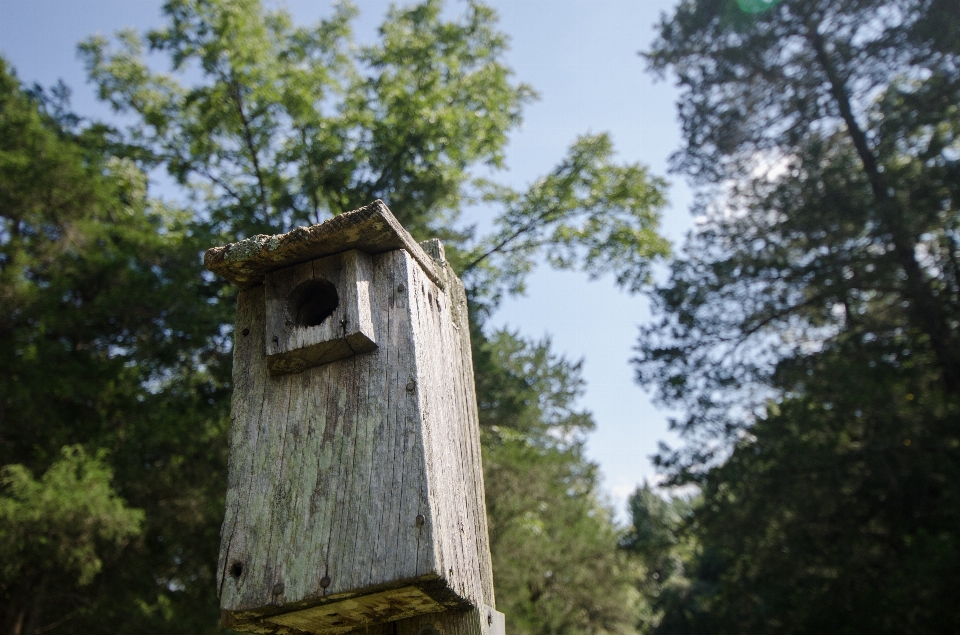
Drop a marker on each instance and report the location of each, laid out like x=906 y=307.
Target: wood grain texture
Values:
x=451 y=433
x=361 y=476
x=372 y=229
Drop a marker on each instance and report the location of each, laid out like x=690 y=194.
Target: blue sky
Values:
x=581 y=56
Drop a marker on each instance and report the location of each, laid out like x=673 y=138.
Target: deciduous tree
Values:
x=265 y=125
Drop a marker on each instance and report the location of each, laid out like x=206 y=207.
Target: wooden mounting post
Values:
x=355 y=496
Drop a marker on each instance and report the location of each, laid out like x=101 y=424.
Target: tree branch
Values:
x=927 y=310
x=503 y=243
x=251 y=148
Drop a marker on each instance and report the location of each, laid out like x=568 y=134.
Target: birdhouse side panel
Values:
x=473 y=464
x=327 y=466
x=451 y=435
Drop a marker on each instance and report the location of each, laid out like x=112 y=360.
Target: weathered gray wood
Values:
x=355 y=493
x=342 y=280
x=372 y=229
x=451 y=430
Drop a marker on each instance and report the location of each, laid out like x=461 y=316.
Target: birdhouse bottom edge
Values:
x=336 y=615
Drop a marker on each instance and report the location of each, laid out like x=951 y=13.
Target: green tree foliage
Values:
x=111 y=336
x=588 y=211
x=273 y=125
x=53 y=530
x=107 y=341
x=810 y=329
x=840 y=512
x=662 y=539
x=556 y=564
x=286 y=125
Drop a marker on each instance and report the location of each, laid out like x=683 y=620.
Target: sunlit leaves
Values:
x=589 y=213
x=238 y=111
x=58 y=525
x=276 y=125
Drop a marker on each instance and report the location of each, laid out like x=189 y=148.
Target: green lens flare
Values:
x=756 y=6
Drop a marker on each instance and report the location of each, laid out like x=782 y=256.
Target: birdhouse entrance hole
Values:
x=318 y=312
x=312 y=302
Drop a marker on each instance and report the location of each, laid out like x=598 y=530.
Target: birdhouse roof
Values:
x=372 y=229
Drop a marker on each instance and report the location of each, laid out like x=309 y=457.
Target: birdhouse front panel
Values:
x=355 y=493
x=318 y=312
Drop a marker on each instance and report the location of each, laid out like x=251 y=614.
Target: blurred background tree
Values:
x=107 y=342
x=115 y=341
x=809 y=331
x=556 y=563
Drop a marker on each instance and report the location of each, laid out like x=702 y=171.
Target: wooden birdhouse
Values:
x=355 y=495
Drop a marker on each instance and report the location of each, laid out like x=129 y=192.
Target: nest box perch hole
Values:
x=312 y=302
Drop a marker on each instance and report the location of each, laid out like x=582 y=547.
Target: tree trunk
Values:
x=927 y=310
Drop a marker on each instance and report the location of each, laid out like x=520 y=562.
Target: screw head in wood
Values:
x=324 y=582
x=421 y=519
x=401 y=288
x=245 y=332
x=411 y=386
x=278 y=588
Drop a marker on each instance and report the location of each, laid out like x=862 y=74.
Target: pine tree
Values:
x=111 y=362
x=810 y=329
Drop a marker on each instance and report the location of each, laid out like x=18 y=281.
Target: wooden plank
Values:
x=451 y=435
x=472 y=467
x=481 y=620
x=354 y=613
x=372 y=229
